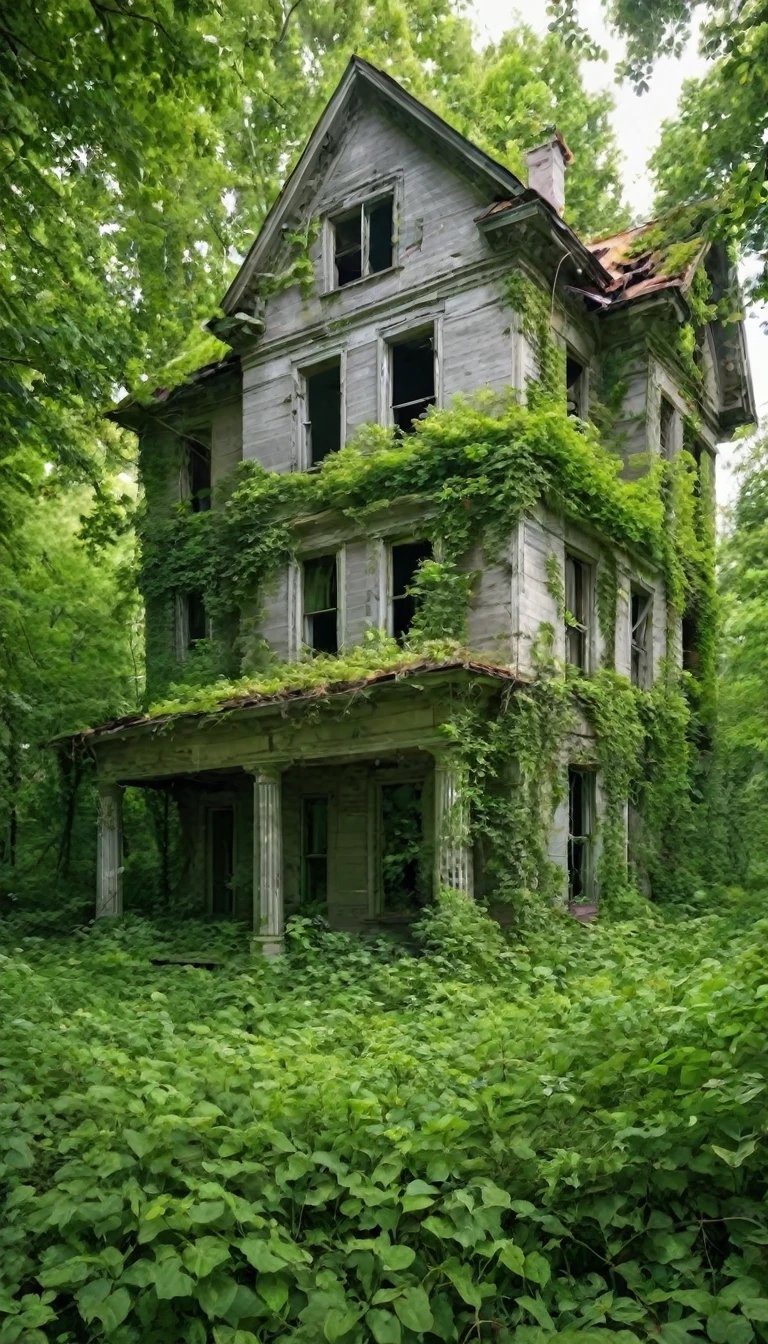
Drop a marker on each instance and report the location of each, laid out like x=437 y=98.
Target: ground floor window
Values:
x=581 y=826
x=314 y=851
x=221 y=845
x=403 y=868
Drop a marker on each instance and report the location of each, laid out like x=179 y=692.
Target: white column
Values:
x=268 y=912
x=453 y=851
x=109 y=870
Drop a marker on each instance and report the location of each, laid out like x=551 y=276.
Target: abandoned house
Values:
x=411 y=232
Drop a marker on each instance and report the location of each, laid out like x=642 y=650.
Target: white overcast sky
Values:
x=638 y=123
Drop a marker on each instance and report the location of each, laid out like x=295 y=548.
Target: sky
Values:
x=638 y=122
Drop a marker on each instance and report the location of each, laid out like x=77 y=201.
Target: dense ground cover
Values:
x=479 y=1142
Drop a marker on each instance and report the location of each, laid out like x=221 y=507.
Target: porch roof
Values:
x=410 y=672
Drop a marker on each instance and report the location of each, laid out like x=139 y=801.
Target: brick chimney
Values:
x=546 y=169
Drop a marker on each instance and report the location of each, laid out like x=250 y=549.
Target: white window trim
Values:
x=393 y=336
x=181 y=620
x=638 y=589
x=300 y=370
x=388 y=579
x=361 y=198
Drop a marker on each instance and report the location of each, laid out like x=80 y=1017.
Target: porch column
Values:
x=453 y=851
x=268 y=912
x=109 y=863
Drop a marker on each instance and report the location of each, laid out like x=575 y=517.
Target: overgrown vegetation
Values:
x=556 y=1140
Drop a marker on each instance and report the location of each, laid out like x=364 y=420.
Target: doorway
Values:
x=221 y=866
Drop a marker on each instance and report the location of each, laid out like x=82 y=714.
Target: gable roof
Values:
x=361 y=75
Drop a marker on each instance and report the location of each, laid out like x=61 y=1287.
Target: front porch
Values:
x=350 y=805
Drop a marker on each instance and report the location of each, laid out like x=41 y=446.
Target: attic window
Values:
x=322 y=411
x=321 y=604
x=575 y=386
x=412 y=380
x=362 y=241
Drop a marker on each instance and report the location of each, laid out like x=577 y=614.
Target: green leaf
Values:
x=260 y=1255
x=204 y=1254
x=756 y=1308
x=273 y=1290
x=413 y=1309
x=64 y=1275
x=537 y=1269
x=216 y=1294
x=384 y=1326
x=512 y=1257
x=339 y=1321
x=207 y=1211
x=461 y=1279
x=537 y=1310
x=96 y=1302
x=171 y=1281
x=397 y=1257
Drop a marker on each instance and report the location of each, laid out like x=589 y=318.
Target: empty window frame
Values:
x=412 y=379
x=320 y=604
x=322 y=411
x=578 y=598
x=362 y=240
x=199 y=473
x=667 y=416
x=403 y=885
x=404 y=559
x=641 y=634
x=221 y=864
x=581 y=828
x=314 y=850
x=575 y=386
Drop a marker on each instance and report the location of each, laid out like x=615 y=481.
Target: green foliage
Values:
x=562 y=1139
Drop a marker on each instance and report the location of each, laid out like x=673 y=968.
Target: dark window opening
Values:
x=577 y=590
x=697 y=453
x=666 y=428
x=406 y=560
x=314 y=851
x=581 y=811
x=221 y=821
x=197 y=621
x=574 y=386
x=363 y=241
x=380 y=236
x=402 y=848
x=321 y=604
x=691 y=655
x=322 y=426
x=413 y=380
x=642 y=608
x=199 y=458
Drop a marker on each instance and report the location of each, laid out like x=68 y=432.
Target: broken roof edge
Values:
x=475 y=667
x=132 y=406
x=358 y=69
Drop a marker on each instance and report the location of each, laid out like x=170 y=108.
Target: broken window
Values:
x=197 y=620
x=199 y=474
x=221 y=833
x=322 y=412
x=575 y=386
x=402 y=848
x=321 y=604
x=690 y=634
x=641 y=623
x=577 y=598
x=314 y=850
x=412 y=380
x=581 y=824
x=666 y=428
x=405 y=560
x=363 y=241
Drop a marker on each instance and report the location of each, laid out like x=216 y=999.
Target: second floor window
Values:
x=641 y=611
x=578 y=587
x=199 y=474
x=320 y=604
x=412 y=379
x=581 y=827
x=405 y=560
x=322 y=411
x=362 y=241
